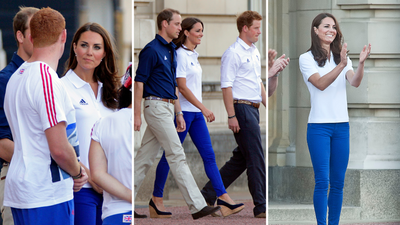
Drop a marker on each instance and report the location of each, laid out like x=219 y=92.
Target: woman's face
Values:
x=326 y=31
x=195 y=34
x=89 y=50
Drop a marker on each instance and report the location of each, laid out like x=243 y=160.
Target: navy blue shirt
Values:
x=155 y=69
x=5 y=75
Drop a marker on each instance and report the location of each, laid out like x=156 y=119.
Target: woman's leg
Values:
x=319 y=144
x=201 y=138
x=338 y=164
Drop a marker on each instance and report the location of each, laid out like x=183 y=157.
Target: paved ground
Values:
x=181 y=213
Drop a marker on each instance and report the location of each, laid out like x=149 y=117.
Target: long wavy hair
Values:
x=187 y=24
x=319 y=53
x=107 y=71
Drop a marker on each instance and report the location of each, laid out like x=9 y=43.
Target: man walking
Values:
x=155 y=82
x=243 y=91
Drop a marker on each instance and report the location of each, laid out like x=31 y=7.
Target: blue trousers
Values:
x=328 y=144
x=88 y=207
x=197 y=128
x=60 y=214
x=248 y=156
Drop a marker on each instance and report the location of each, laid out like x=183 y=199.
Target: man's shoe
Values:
x=140 y=215
x=205 y=212
x=261 y=215
x=214 y=214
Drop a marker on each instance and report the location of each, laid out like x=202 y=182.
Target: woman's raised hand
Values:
x=343 y=55
x=365 y=53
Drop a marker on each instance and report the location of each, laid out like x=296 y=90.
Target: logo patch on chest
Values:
x=82 y=102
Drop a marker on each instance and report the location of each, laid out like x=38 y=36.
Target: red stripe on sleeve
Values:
x=51 y=98
x=44 y=92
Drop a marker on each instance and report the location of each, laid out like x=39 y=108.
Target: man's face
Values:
x=27 y=45
x=254 y=31
x=174 y=27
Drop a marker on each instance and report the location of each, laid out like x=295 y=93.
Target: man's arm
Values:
x=6 y=149
x=228 y=101
x=263 y=96
x=180 y=121
x=137 y=104
x=61 y=150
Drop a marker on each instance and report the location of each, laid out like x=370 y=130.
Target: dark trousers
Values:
x=248 y=155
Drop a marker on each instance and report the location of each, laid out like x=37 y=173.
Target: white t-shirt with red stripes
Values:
x=36 y=100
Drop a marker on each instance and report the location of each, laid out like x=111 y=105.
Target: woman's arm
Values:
x=98 y=165
x=356 y=78
x=323 y=82
x=188 y=94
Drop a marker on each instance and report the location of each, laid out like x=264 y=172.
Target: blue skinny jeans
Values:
x=328 y=144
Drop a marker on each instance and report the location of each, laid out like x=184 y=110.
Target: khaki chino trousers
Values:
x=161 y=132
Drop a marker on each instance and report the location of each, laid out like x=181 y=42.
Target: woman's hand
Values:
x=365 y=53
x=343 y=55
x=208 y=114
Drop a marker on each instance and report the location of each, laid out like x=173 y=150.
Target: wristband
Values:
x=79 y=175
x=179 y=113
x=230 y=117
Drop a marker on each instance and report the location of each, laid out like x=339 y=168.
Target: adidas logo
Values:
x=82 y=102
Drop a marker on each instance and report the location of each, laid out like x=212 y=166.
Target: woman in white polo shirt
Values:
x=91 y=82
x=325 y=68
x=189 y=74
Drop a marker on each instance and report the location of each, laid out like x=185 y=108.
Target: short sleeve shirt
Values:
x=241 y=70
x=35 y=100
x=329 y=105
x=189 y=67
x=114 y=134
x=88 y=109
x=157 y=69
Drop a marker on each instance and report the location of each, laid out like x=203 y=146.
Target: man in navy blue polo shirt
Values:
x=155 y=82
x=24 y=52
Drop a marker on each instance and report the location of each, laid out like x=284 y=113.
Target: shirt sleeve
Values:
x=50 y=98
x=230 y=63
x=95 y=131
x=349 y=65
x=308 y=66
x=147 y=61
x=181 y=67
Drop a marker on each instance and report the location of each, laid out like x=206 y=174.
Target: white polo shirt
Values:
x=241 y=70
x=88 y=110
x=189 y=67
x=329 y=105
x=114 y=133
x=35 y=100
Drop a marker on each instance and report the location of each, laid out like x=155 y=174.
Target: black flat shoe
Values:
x=140 y=215
x=155 y=213
x=228 y=209
x=205 y=212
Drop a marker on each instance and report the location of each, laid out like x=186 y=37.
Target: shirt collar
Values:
x=244 y=45
x=164 y=42
x=189 y=52
x=17 y=59
x=77 y=81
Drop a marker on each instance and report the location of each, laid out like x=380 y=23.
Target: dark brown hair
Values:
x=107 y=71
x=187 y=24
x=46 y=26
x=246 y=19
x=20 y=21
x=319 y=53
x=167 y=15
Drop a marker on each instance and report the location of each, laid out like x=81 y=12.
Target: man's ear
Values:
x=245 y=28
x=20 y=37
x=64 y=36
